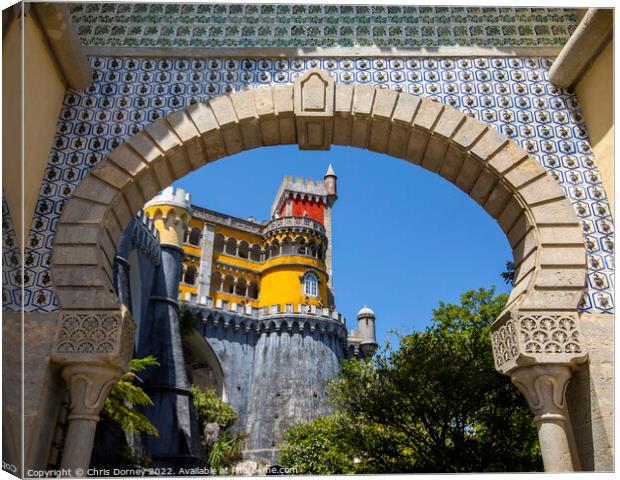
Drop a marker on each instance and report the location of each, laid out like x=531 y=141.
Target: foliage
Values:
x=210 y=409
x=125 y=396
x=322 y=447
x=187 y=319
x=435 y=404
x=509 y=274
x=226 y=450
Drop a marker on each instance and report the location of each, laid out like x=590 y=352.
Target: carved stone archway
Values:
x=536 y=338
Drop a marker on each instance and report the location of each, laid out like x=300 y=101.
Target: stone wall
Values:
x=44 y=390
x=275 y=371
x=590 y=395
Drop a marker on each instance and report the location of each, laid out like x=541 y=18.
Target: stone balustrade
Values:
x=293 y=223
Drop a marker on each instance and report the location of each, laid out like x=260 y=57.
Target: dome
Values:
x=365 y=312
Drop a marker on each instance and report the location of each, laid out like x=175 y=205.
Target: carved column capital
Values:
x=539 y=350
x=529 y=338
x=95 y=337
x=544 y=388
x=89 y=386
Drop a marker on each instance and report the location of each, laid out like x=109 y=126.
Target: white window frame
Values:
x=311 y=284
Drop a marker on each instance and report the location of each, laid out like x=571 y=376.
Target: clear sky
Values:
x=403 y=238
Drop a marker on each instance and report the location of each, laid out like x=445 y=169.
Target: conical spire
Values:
x=330 y=171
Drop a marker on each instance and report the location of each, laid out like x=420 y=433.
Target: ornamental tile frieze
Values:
x=286 y=26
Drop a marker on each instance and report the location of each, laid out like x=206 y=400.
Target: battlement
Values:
x=171 y=196
x=270 y=322
x=147 y=224
x=297 y=185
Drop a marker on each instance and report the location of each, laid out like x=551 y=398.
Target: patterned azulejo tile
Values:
x=512 y=94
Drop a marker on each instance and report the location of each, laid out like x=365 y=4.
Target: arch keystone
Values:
x=313 y=98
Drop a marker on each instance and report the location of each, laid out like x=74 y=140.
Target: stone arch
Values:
x=315 y=112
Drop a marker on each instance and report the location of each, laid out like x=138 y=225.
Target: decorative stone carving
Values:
x=544 y=388
x=539 y=350
x=89 y=386
x=521 y=339
x=314 y=108
x=104 y=336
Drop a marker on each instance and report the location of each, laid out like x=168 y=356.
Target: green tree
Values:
x=509 y=274
x=120 y=405
x=321 y=447
x=435 y=404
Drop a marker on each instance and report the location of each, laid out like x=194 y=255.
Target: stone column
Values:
x=206 y=260
x=544 y=387
x=539 y=351
x=94 y=348
x=89 y=386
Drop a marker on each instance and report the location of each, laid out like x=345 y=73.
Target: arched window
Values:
x=300 y=246
x=287 y=246
x=231 y=246
x=240 y=287
x=311 y=284
x=194 y=236
x=253 y=291
x=229 y=284
x=216 y=281
x=218 y=243
x=244 y=249
x=255 y=253
x=190 y=275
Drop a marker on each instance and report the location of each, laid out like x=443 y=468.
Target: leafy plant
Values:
x=187 y=319
x=227 y=448
x=210 y=409
x=509 y=274
x=125 y=396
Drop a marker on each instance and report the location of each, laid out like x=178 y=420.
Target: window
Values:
x=311 y=285
x=253 y=291
x=244 y=249
x=218 y=244
x=190 y=275
x=194 y=236
x=231 y=246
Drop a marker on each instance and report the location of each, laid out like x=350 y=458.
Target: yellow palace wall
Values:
x=279 y=278
x=44 y=91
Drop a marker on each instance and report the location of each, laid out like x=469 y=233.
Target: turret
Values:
x=170 y=211
x=330 y=181
x=366 y=331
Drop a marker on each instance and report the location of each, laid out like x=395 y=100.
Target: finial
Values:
x=330 y=171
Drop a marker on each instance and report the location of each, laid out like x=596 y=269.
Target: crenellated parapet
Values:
x=306 y=189
x=145 y=237
x=275 y=323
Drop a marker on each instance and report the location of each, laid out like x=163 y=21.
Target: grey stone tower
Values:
x=331 y=187
x=366 y=331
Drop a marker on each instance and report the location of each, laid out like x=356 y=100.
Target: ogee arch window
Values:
x=311 y=284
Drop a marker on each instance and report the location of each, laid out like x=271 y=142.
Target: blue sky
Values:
x=403 y=238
